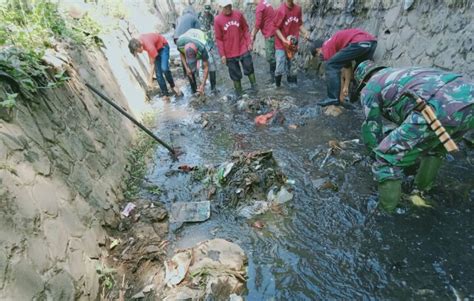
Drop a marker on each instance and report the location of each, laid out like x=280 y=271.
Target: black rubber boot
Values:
x=278 y=80
x=272 y=72
x=192 y=83
x=212 y=79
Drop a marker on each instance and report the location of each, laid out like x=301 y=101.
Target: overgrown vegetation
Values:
x=27 y=30
x=138 y=158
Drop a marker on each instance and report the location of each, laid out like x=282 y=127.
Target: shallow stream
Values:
x=325 y=244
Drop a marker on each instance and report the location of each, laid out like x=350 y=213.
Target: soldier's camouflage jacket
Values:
x=450 y=96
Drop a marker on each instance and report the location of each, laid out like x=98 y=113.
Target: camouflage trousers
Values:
x=270 y=50
x=453 y=105
x=284 y=65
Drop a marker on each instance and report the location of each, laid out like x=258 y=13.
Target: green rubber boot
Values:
x=390 y=193
x=427 y=172
x=253 y=80
x=238 y=88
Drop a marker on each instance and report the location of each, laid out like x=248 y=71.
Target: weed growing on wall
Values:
x=138 y=158
x=27 y=29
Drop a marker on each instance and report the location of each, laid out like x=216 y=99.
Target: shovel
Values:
x=172 y=151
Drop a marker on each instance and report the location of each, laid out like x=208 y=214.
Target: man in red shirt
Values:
x=234 y=44
x=159 y=53
x=264 y=15
x=338 y=52
x=288 y=23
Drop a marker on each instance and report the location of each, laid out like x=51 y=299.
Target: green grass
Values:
x=27 y=30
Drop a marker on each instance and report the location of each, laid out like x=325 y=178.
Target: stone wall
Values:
x=436 y=33
x=62 y=159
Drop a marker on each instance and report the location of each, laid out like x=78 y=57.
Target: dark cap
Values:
x=315 y=45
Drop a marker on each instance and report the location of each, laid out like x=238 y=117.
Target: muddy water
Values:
x=325 y=244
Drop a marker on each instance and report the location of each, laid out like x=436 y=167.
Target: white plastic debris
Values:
x=177 y=267
x=228 y=169
x=128 y=208
x=407 y=4
x=256 y=208
x=283 y=196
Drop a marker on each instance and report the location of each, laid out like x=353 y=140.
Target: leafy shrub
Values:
x=27 y=29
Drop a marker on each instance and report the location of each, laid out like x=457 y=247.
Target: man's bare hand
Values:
x=201 y=89
x=224 y=60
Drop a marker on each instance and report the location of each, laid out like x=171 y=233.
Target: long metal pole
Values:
x=141 y=126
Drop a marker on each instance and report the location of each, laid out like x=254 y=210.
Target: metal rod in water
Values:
x=141 y=126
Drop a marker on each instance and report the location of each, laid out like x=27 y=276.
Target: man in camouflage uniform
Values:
x=207 y=22
x=382 y=96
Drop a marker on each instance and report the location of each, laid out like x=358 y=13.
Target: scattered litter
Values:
x=186 y=168
x=328 y=153
x=256 y=208
x=258 y=224
x=290 y=182
x=145 y=290
x=204 y=123
x=419 y=201
x=177 y=267
x=283 y=196
x=335 y=145
x=407 y=4
x=212 y=270
x=263 y=119
x=114 y=243
x=293 y=126
x=324 y=184
x=345 y=144
x=424 y=292
x=139 y=295
x=190 y=211
x=235 y=297
x=148 y=288
x=228 y=169
x=328 y=185
x=128 y=209
x=332 y=110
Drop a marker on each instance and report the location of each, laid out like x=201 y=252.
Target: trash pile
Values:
x=212 y=270
x=341 y=154
x=140 y=236
x=248 y=176
x=251 y=182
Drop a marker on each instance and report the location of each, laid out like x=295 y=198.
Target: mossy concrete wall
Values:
x=435 y=33
x=62 y=160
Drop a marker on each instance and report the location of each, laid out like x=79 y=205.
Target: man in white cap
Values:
x=234 y=44
x=193 y=46
x=288 y=24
